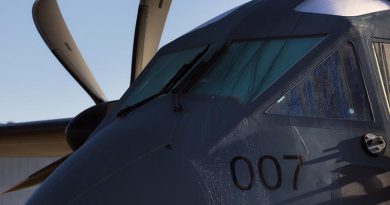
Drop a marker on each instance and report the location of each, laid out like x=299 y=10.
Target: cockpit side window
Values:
x=334 y=90
x=247 y=69
x=382 y=56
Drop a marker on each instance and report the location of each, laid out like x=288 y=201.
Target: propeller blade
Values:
x=151 y=18
x=37 y=177
x=51 y=26
x=34 y=139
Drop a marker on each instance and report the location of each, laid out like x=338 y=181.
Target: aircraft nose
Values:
x=162 y=176
x=127 y=162
x=123 y=159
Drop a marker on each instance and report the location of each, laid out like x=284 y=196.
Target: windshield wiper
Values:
x=180 y=74
x=197 y=73
x=194 y=77
x=183 y=70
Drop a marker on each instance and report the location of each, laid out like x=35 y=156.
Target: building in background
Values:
x=15 y=169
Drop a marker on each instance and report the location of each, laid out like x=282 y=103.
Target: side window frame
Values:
x=311 y=70
x=382 y=95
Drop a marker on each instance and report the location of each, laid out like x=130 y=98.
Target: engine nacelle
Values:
x=82 y=126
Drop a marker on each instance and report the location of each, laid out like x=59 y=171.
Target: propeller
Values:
x=47 y=16
x=37 y=177
x=77 y=132
x=51 y=25
x=151 y=18
x=34 y=139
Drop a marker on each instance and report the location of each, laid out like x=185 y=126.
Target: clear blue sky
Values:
x=34 y=86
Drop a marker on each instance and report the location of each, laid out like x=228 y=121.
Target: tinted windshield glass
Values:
x=243 y=70
x=246 y=69
x=159 y=74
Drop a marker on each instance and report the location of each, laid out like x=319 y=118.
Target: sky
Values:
x=34 y=85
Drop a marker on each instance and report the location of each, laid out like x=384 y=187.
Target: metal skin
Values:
x=217 y=150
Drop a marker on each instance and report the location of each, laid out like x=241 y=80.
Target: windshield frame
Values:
x=122 y=100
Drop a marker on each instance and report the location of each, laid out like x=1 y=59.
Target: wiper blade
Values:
x=197 y=73
x=194 y=77
x=182 y=71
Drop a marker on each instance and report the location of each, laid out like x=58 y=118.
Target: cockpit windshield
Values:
x=243 y=70
x=246 y=69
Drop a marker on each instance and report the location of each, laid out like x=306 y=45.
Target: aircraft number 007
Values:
x=260 y=166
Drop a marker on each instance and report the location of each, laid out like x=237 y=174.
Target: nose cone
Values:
x=127 y=162
x=162 y=176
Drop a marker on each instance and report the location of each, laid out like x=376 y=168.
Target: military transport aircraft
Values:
x=273 y=102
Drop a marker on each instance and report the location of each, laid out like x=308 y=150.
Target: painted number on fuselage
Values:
x=260 y=168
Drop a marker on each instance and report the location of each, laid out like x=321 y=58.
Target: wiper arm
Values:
x=182 y=71
x=196 y=74
x=129 y=109
x=194 y=77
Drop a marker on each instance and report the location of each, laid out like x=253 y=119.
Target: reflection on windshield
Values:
x=159 y=74
x=246 y=69
x=243 y=70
